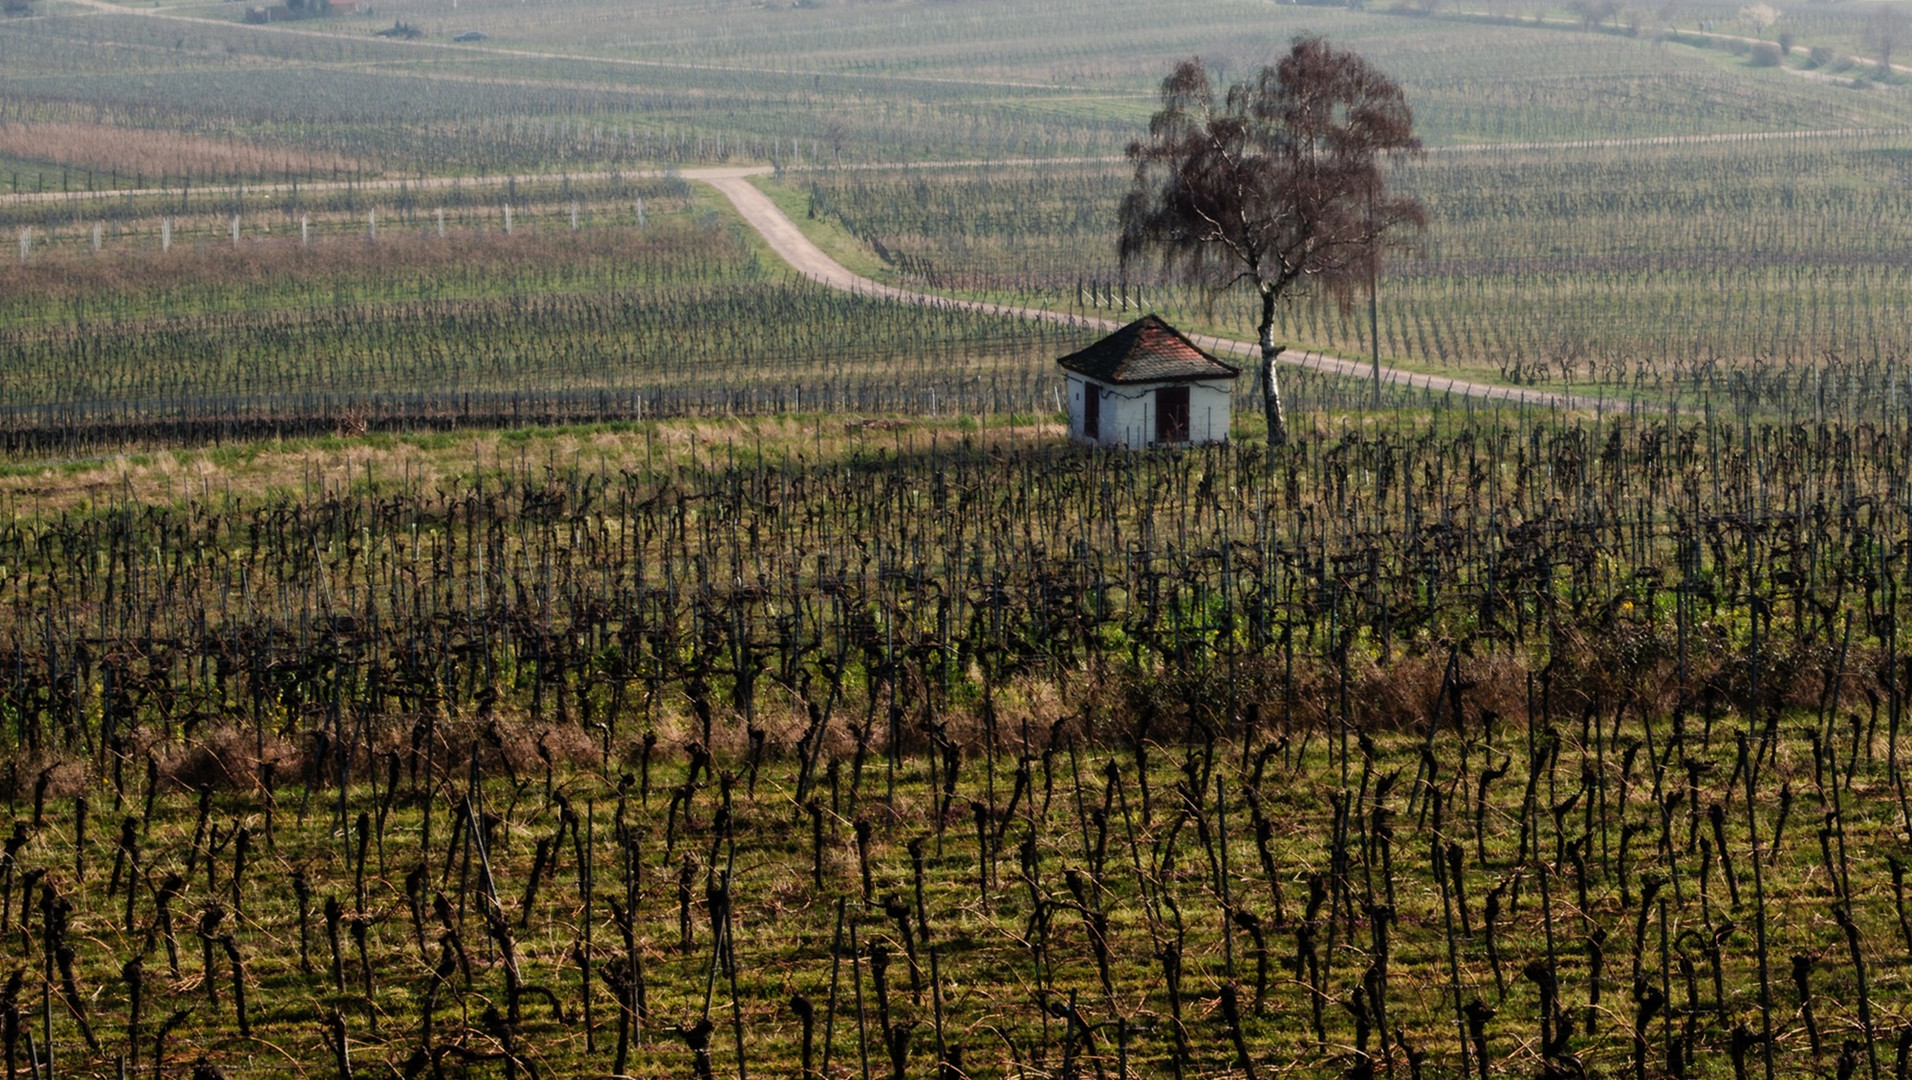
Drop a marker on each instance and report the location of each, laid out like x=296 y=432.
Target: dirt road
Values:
x=809 y=260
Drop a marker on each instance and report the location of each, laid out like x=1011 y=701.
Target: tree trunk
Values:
x=1270 y=385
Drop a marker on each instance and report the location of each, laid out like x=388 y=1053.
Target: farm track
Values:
x=1644 y=141
x=1576 y=25
x=812 y=262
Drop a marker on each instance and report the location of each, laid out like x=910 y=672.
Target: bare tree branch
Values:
x=1279 y=186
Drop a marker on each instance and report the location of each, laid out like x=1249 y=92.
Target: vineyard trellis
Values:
x=793 y=709
x=1535 y=732
x=1662 y=272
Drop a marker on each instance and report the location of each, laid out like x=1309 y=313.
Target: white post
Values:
x=574 y=213
x=640 y=213
x=441 y=223
x=165 y=234
x=235 y=230
x=507 y=219
x=26 y=243
x=371 y=225
x=305 y=230
x=96 y=238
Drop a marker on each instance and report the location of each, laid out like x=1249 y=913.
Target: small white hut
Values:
x=1147 y=385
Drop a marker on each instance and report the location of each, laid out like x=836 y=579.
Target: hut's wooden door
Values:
x=1091 y=411
x=1171 y=414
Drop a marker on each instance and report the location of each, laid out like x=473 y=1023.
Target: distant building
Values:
x=313 y=9
x=1147 y=385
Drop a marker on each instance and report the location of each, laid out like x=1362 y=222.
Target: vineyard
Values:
x=1634 y=271
x=470 y=328
x=1631 y=211
x=469 y=608
x=1451 y=745
x=588 y=85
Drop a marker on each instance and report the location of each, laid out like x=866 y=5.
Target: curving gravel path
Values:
x=812 y=262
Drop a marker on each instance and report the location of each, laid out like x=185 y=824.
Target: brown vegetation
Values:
x=61 y=277
x=134 y=152
x=229 y=759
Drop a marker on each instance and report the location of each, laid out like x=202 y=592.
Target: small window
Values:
x=1091 y=411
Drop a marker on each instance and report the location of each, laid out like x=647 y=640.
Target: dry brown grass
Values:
x=135 y=152
x=21 y=776
x=514 y=745
x=228 y=759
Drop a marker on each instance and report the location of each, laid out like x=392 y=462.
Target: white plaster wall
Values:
x=1208 y=411
x=1134 y=413
x=1128 y=413
x=1078 y=386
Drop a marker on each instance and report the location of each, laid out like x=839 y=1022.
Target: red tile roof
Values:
x=1146 y=350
